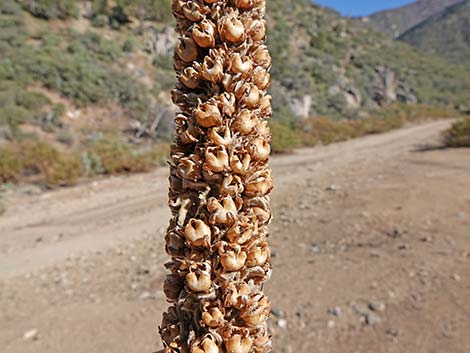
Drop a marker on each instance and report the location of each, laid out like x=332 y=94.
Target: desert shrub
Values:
x=157 y=10
x=10 y=164
x=48 y=165
x=165 y=77
x=32 y=100
x=7 y=94
x=91 y=164
x=50 y=9
x=13 y=115
x=99 y=7
x=116 y=156
x=7 y=69
x=377 y=125
x=77 y=65
x=130 y=44
x=9 y=7
x=66 y=137
x=77 y=75
x=100 y=21
x=416 y=112
x=459 y=134
x=94 y=43
x=12 y=31
x=284 y=137
x=326 y=131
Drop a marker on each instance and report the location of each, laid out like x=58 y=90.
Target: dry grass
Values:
x=41 y=163
x=459 y=134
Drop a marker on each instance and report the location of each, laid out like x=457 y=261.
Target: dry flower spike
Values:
x=219 y=181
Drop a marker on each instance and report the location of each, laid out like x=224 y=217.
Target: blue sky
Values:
x=361 y=7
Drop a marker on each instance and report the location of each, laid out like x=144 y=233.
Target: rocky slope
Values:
x=325 y=64
x=446 y=33
x=397 y=21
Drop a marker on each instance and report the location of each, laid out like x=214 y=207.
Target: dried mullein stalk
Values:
x=219 y=181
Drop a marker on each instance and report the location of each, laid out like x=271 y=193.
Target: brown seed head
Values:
x=204 y=33
x=190 y=77
x=172 y=286
x=212 y=69
x=197 y=233
x=239 y=65
x=208 y=114
x=212 y=317
x=232 y=257
x=256 y=28
x=187 y=49
x=231 y=28
x=206 y=345
x=240 y=164
x=260 y=184
x=199 y=277
x=244 y=4
x=258 y=253
x=216 y=159
x=224 y=212
x=193 y=11
x=244 y=122
x=261 y=56
x=259 y=149
x=238 y=344
x=261 y=78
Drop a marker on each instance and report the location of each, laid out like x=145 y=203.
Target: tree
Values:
x=219 y=181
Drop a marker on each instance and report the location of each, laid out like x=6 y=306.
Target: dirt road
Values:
x=371 y=244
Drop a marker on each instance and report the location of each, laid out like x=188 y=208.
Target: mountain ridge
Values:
x=395 y=22
x=446 y=33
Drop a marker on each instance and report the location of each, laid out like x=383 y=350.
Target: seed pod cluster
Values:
x=219 y=181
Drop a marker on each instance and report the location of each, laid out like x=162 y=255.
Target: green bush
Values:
x=13 y=115
x=32 y=100
x=130 y=45
x=10 y=165
x=284 y=138
x=51 y=9
x=156 y=10
x=94 y=43
x=12 y=31
x=116 y=156
x=66 y=137
x=7 y=69
x=48 y=165
x=7 y=94
x=77 y=75
x=326 y=131
x=100 y=21
x=459 y=134
x=9 y=7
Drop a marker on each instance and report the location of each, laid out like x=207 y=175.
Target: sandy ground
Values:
x=371 y=246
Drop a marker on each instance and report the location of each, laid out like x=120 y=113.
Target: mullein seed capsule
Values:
x=219 y=181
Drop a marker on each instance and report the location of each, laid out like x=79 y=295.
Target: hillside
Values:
x=446 y=33
x=84 y=86
x=325 y=64
x=397 y=21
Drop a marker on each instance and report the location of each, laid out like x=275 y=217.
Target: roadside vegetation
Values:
x=323 y=130
x=42 y=163
x=459 y=134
